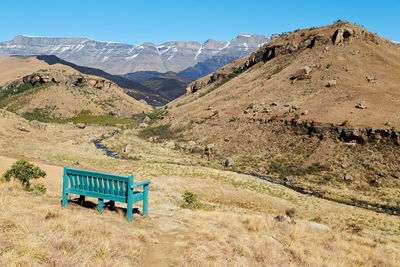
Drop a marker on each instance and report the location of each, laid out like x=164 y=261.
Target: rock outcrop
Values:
x=59 y=77
x=343 y=36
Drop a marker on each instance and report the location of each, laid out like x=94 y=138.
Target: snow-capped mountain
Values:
x=118 y=58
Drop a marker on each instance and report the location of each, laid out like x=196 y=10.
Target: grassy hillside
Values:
x=60 y=93
x=235 y=226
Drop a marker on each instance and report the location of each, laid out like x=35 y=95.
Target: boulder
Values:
x=107 y=84
x=289 y=178
x=153 y=138
x=143 y=125
x=227 y=162
x=331 y=83
x=143 y=101
x=348 y=177
x=128 y=148
x=300 y=72
x=38 y=125
x=21 y=127
x=147 y=119
x=80 y=125
x=361 y=104
x=191 y=144
x=274 y=104
x=305 y=112
x=170 y=145
x=282 y=218
x=318 y=226
x=370 y=78
x=92 y=82
x=197 y=149
x=210 y=147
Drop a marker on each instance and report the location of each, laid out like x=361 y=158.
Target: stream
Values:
x=360 y=204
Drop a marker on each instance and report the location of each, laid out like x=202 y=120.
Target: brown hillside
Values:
x=274 y=113
x=59 y=91
x=350 y=62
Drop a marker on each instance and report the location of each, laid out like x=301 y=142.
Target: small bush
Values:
x=191 y=201
x=24 y=172
x=40 y=188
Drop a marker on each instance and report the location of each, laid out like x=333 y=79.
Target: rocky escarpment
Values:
x=350 y=135
x=59 y=77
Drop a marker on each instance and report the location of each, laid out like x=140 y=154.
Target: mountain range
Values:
x=192 y=59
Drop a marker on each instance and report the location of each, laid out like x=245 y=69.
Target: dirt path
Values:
x=169 y=240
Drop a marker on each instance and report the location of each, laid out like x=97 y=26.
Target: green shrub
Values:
x=191 y=201
x=24 y=172
x=40 y=188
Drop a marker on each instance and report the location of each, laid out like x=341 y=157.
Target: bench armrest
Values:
x=140 y=184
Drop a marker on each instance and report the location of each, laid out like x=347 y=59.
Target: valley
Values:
x=280 y=152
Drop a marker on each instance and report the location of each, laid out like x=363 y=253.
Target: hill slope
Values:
x=318 y=105
x=35 y=88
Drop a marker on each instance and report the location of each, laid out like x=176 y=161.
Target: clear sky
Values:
x=135 y=22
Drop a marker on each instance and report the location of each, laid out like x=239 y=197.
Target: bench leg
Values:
x=100 y=205
x=81 y=199
x=129 y=211
x=64 y=202
x=145 y=200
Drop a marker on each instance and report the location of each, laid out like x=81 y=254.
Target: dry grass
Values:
x=238 y=228
x=36 y=231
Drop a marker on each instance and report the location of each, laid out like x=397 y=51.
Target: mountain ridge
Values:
x=120 y=58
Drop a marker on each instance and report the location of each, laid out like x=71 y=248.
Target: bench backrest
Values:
x=97 y=184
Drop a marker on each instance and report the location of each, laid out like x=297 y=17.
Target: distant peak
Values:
x=245 y=35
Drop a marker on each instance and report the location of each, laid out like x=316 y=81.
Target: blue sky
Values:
x=135 y=22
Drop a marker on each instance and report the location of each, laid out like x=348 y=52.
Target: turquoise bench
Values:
x=104 y=186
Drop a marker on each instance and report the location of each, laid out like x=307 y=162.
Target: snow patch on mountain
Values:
x=131 y=57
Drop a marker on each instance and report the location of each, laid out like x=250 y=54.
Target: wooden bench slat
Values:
x=76 y=182
x=80 y=181
x=110 y=187
x=95 y=185
x=85 y=183
x=71 y=180
x=97 y=174
x=116 y=191
x=90 y=183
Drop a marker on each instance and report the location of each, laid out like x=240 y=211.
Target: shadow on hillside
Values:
x=91 y=205
x=121 y=82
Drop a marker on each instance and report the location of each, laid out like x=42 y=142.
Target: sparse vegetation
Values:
x=24 y=172
x=154 y=115
x=284 y=167
x=191 y=201
x=7 y=93
x=163 y=132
